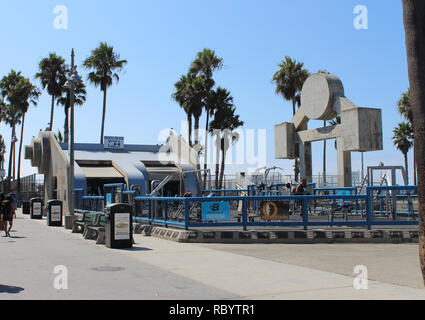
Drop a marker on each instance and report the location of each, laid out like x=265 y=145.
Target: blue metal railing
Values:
x=186 y=212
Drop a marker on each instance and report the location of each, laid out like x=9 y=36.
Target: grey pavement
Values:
x=29 y=258
x=159 y=269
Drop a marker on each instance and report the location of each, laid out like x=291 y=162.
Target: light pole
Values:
x=70 y=84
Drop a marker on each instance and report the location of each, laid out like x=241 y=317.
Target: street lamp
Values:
x=70 y=84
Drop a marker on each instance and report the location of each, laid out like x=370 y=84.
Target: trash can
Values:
x=54 y=213
x=26 y=207
x=119 y=226
x=36 y=208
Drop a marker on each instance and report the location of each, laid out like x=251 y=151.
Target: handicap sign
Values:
x=215 y=211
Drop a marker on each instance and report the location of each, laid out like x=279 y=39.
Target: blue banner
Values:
x=215 y=211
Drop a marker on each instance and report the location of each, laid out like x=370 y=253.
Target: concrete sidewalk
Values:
x=159 y=269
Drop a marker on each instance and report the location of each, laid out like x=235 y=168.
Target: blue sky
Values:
x=161 y=38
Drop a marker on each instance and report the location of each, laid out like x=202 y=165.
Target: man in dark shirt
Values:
x=301 y=189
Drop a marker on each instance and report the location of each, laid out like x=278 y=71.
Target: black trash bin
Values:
x=26 y=207
x=54 y=213
x=36 y=208
x=119 y=226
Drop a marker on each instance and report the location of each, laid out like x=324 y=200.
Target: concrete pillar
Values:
x=306 y=169
x=344 y=166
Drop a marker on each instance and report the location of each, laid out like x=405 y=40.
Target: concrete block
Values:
x=362 y=130
x=285 y=141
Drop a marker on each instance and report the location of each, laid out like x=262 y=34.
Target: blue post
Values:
x=305 y=213
x=150 y=212
x=356 y=192
x=244 y=215
x=186 y=215
x=165 y=213
x=369 y=207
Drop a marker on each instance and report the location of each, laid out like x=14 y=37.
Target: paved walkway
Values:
x=158 y=269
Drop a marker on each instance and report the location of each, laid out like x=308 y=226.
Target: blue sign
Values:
x=215 y=211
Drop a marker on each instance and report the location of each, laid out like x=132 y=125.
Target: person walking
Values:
x=9 y=213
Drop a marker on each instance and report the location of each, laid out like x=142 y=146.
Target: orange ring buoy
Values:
x=267 y=214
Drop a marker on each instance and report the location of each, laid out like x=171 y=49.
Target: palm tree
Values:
x=289 y=80
x=403 y=140
x=223 y=125
x=405 y=110
x=59 y=137
x=205 y=64
x=189 y=91
x=20 y=93
x=180 y=96
x=414 y=25
x=11 y=113
x=52 y=75
x=79 y=99
x=404 y=106
x=220 y=99
x=106 y=65
x=25 y=94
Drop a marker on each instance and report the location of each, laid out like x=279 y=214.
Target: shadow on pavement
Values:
x=10 y=289
x=137 y=249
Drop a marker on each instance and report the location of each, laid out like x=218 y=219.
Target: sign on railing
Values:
x=215 y=211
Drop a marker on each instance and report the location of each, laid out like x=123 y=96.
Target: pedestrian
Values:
x=301 y=190
x=9 y=213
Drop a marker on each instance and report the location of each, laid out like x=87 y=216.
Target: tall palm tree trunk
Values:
x=103 y=117
x=414 y=24
x=223 y=164
x=189 y=124
x=196 y=139
x=19 y=155
x=217 y=159
x=11 y=152
x=406 y=166
x=14 y=161
x=206 y=150
x=415 y=168
x=52 y=113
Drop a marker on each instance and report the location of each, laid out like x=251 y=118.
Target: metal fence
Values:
x=30 y=187
x=327 y=207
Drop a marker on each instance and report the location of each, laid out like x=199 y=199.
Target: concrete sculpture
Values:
x=323 y=98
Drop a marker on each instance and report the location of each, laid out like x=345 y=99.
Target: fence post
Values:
x=305 y=213
x=150 y=211
x=186 y=214
x=165 y=213
x=244 y=215
x=369 y=207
